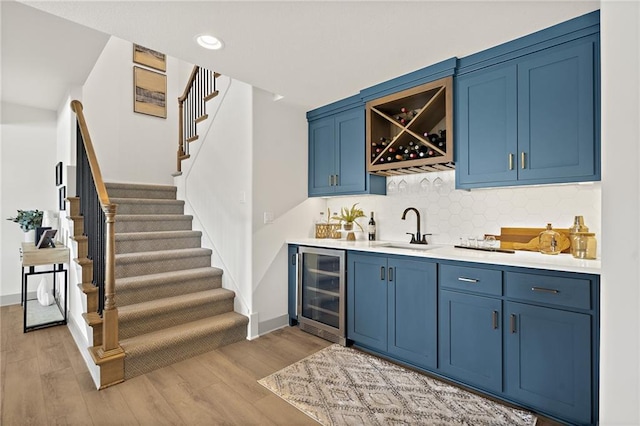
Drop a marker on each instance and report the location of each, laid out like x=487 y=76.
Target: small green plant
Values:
x=28 y=219
x=350 y=215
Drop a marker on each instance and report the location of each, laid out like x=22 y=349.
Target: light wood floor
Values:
x=44 y=381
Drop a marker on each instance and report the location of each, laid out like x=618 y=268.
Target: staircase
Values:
x=170 y=300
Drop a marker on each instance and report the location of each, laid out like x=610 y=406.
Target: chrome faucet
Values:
x=418 y=238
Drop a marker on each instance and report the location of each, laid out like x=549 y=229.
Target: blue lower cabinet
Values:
x=392 y=307
x=293 y=284
x=367 y=300
x=470 y=339
x=548 y=360
x=412 y=311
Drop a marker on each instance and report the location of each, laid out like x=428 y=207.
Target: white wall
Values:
x=28 y=158
x=620 y=305
x=279 y=187
x=131 y=147
x=216 y=185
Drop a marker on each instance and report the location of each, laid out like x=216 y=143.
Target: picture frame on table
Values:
x=46 y=240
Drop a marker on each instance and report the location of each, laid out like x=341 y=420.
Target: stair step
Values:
x=152 y=222
x=153 y=262
x=147 y=317
x=167 y=284
x=135 y=242
x=148 y=206
x=164 y=347
x=140 y=190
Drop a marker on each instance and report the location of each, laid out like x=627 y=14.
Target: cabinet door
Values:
x=412 y=311
x=350 y=149
x=321 y=156
x=367 y=300
x=556 y=116
x=470 y=339
x=293 y=284
x=486 y=132
x=548 y=360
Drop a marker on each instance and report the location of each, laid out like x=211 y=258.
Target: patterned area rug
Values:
x=342 y=386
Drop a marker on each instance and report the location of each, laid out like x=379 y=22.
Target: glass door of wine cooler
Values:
x=321 y=292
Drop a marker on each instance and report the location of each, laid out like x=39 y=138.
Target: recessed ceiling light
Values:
x=209 y=42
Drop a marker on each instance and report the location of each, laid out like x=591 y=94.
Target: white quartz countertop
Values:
x=526 y=259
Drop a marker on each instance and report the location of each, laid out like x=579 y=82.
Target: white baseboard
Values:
x=273 y=324
x=14 y=299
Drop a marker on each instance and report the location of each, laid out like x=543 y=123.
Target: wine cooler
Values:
x=321 y=293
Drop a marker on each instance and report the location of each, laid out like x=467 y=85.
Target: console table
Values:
x=50 y=261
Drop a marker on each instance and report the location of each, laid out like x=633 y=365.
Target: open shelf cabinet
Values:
x=411 y=131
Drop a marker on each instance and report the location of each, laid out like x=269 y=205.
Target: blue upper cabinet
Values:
x=337 y=151
x=556 y=115
x=486 y=115
x=528 y=112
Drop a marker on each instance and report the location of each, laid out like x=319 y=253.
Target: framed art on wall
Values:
x=59 y=174
x=149 y=92
x=62 y=195
x=149 y=58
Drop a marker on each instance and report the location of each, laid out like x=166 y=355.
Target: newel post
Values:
x=110 y=312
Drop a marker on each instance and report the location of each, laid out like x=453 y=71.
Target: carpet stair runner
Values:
x=171 y=303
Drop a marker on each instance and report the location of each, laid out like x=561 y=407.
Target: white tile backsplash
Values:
x=448 y=213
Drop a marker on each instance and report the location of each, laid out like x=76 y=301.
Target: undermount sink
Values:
x=410 y=246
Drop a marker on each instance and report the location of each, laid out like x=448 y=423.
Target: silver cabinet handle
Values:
x=512 y=323
x=545 y=290
x=330 y=180
x=382 y=273
x=522 y=158
x=336 y=182
x=467 y=280
x=510 y=161
x=390 y=274
x=495 y=319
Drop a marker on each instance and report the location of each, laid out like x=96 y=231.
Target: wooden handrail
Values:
x=108 y=354
x=76 y=106
x=192 y=77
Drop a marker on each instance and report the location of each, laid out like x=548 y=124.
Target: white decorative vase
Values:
x=30 y=236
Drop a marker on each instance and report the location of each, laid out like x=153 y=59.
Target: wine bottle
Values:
x=372 y=228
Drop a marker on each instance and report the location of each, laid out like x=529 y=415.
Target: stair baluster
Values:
x=98 y=217
x=192 y=109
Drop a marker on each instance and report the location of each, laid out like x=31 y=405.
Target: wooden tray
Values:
x=508 y=236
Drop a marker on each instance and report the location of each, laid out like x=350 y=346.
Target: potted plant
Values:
x=349 y=217
x=28 y=220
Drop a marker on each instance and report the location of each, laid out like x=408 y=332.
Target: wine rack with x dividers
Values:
x=411 y=131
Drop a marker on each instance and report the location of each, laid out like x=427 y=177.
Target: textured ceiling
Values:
x=313 y=53
x=43 y=56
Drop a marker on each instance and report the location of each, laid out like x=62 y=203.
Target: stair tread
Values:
x=153 y=235
x=153 y=307
x=153 y=217
x=170 y=276
x=147 y=256
x=152 y=341
x=138 y=186
x=120 y=200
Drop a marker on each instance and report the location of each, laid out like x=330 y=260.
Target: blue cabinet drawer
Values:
x=476 y=280
x=561 y=291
